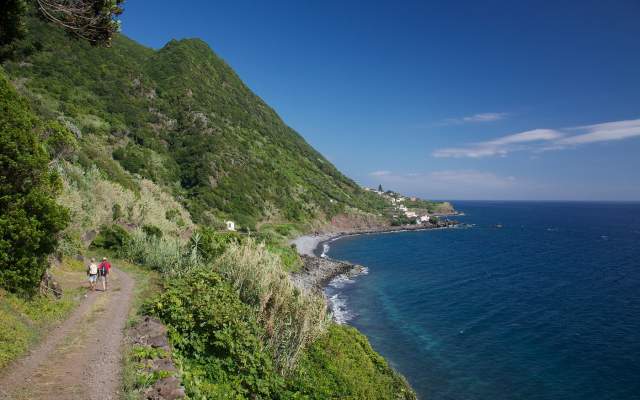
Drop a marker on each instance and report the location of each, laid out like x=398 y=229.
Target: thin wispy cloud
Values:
x=538 y=140
x=476 y=118
x=604 y=132
x=380 y=173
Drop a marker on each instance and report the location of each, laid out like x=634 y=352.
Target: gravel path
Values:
x=82 y=358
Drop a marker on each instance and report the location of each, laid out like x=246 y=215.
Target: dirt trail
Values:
x=81 y=359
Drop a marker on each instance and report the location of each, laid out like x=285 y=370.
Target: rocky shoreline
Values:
x=317 y=271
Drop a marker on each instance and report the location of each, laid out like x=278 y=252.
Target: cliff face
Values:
x=182 y=118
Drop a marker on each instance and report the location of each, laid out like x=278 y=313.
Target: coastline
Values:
x=319 y=270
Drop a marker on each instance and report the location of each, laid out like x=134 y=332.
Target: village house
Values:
x=424 y=218
x=231 y=226
x=410 y=214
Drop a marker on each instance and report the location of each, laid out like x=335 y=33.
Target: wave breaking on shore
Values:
x=338 y=299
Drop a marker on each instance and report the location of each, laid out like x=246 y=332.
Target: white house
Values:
x=403 y=208
x=424 y=218
x=410 y=214
x=231 y=226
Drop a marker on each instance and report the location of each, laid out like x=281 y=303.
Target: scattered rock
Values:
x=88 y=236
x=168 y=388
x=49 y=286
x=162 y=364
x=150 y=332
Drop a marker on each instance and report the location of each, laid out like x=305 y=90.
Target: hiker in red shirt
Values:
x=103 y=271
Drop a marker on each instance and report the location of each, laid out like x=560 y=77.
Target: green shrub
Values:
x=112 y=237
x=30 y=218
x=116 y=212
x=291 y=261
x=59 y=141
x=152 y=231
x=217 y=340
x=212 y=243
x=342 y=365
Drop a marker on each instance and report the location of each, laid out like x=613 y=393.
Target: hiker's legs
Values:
x=104 y=282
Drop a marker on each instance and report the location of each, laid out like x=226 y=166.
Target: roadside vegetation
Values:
x=136 y=154
x=25 y=321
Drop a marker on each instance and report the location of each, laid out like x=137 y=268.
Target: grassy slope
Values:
x=23 y=322
x=182 y=117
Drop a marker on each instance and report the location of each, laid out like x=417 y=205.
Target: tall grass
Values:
x=169 y=256
x=292 y=318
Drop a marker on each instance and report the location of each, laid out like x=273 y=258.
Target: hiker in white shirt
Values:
x=92 y=272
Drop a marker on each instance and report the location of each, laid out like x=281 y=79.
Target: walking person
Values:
x=92 y=273
x=104 y=270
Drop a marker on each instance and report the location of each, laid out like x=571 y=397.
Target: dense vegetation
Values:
x=147 y=153
x=30 y=218
x=219 y=343
x=183 y=119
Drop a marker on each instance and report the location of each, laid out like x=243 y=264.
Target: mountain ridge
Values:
x=183 y=118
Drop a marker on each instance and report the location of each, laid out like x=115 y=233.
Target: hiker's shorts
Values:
x=93 y=278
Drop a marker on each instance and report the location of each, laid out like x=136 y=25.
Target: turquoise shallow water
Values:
x=547 y=307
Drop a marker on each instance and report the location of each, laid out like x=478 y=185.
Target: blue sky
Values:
x=535 y=100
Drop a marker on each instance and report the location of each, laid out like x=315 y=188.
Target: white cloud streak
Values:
x=476 y=118
x=380 y=173
x=538 y=140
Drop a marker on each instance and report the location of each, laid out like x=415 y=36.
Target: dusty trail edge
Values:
x=81 y=358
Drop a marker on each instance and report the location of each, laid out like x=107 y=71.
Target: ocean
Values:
x=545 y=307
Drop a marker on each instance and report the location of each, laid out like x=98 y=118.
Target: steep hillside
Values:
x=182 y=118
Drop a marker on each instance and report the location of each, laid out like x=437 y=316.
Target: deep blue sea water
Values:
x=546 y=307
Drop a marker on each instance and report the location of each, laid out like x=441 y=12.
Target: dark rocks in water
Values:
x=317 y=272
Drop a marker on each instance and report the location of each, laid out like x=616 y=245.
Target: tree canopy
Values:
x=30 y=218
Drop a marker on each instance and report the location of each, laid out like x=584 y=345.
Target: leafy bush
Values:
x=342 y=365
x=289 y=257
x=59 y=141
x=152 y=231
x=113 y=237
x=292 y=318
x=217 y=339
x=30 y=218
x=213 y=244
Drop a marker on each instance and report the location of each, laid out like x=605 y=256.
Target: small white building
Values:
x=410 y=214
x=424 y=218
x=231 y=226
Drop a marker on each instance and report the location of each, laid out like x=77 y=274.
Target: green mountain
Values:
x=183 y=119
x=173 y=143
